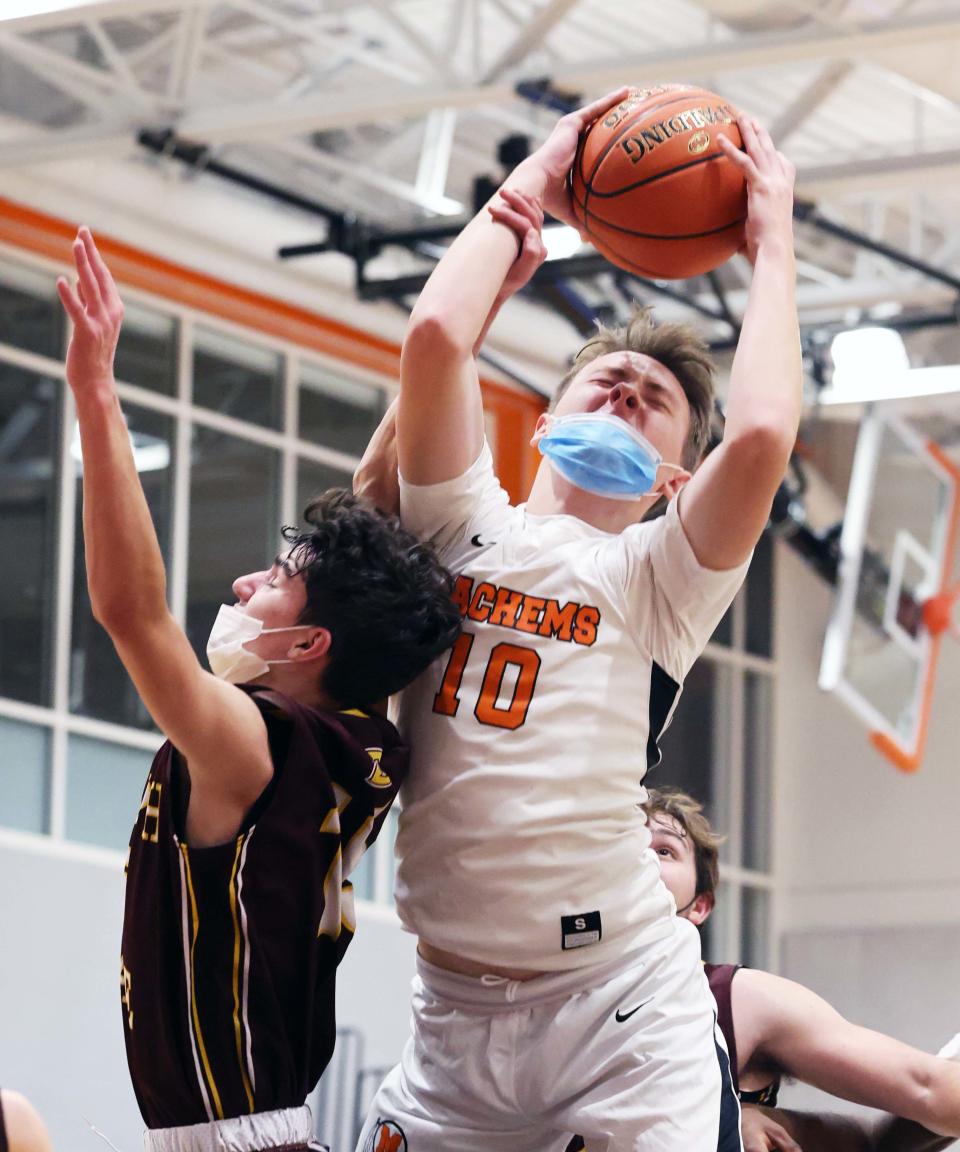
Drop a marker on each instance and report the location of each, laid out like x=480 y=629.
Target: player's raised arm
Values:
x=440 y=417
x=376 y=476
x=725 y=506
x=214 y=724
x=807 y=1038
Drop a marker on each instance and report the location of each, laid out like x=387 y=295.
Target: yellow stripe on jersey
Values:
x=354 y=712
x=236 y=972
x=330 y=919
x=195 y=924
x=331 y=822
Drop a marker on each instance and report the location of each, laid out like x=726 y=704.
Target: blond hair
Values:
x=679 y=348
x=689 y=814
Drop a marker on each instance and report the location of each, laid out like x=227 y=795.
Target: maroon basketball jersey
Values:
x=230 y=953
x=720 y=977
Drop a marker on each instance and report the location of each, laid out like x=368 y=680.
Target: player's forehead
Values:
x=667 y=827
x=632 y=365
x=290 y=562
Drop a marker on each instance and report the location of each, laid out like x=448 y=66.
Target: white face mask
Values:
x=225 y=648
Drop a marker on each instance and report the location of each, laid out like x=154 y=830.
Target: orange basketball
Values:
x=651 y=187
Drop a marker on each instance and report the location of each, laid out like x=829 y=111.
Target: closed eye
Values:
x=658 y=397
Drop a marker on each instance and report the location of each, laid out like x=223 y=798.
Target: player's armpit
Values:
x=216 y=727
x=376 y=476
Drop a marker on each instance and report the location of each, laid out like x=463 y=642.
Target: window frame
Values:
x=57 y=719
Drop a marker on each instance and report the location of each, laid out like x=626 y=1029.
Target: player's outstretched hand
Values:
x=761 y=1133
x=523 y=214
x=770 y=178
x=554 y=158
x=96 y=310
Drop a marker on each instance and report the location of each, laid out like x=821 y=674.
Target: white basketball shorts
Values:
x=627 y=1055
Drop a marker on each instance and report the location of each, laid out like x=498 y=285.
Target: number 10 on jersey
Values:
x=489 y=709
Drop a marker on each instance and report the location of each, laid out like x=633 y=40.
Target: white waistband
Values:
x=491 y=993
x=285 y=1128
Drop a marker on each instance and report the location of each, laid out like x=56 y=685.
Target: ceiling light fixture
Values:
x=872 y=364
x=868 y=364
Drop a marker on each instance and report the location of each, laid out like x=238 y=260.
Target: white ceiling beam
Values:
x=456 y=22
x=187 y=52
x=116 y=60
x=44 y=146
x=763 y=50
x=263 y=119
x=150 y=51
x=369 y=176
x=90 y=86
x=532 y=36
x=810 y=99
x=97 y=10
x=884 y=174
x=420 y=45
x=825 y=301
x=311 y=32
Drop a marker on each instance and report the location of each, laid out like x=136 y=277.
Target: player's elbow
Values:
x=117 y=618
x=762 y=445
x=122 y=612
x=936 y=1096
x=433 y=336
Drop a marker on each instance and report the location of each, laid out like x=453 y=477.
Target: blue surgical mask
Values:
x=602 y=454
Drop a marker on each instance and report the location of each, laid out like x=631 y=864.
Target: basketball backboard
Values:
x=896 y=551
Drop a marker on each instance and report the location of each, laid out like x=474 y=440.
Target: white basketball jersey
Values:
x=522 y=842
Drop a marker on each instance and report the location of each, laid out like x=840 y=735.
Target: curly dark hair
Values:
x=385 y=598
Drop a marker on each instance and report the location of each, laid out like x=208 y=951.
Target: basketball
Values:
x=653 y=190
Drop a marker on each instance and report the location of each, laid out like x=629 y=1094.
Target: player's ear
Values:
x=674 y=481
x=314 y=645
x=543 y=422
x=701 y=908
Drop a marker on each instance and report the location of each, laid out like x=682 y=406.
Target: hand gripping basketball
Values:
x=653 y=185
x=770 y=178
x=553 y=160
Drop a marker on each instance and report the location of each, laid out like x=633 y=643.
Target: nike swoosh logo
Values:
x=478 y=543
x=621 y=1016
